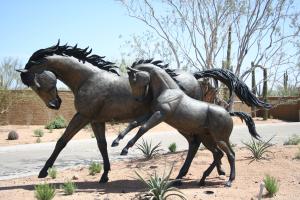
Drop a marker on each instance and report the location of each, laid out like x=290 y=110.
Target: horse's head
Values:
x=44 y=84
x=139 y=82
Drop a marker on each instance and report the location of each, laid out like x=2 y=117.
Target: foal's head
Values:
x=139 y=82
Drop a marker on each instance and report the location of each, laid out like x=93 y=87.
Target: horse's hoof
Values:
x=115 y=143
x=43 y=174
x=104 y=179
x=201 y=183
x=228 y=184
x=124 y=152
x=221 y=173
x=177 y=183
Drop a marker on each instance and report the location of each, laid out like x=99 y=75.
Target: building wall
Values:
x=28 y=109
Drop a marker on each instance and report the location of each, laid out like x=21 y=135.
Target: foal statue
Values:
x=197 y=121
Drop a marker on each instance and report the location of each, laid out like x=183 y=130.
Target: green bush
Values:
x=52 y=172
x=57 y=123
x=160 y=188
x=69 y=188
x=293 y=140
x=271 y=185
x=147 y=149
x=38 y=133
x=95 y=168
x=172 y=147
x=258 y=148
x=13 y=135
x=44 y=191
x=38 y=140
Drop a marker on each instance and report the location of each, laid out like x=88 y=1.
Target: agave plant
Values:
x=160 y=188
x=258 y=148
x=148 y=149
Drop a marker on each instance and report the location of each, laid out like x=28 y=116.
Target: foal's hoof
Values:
x=104 y=179
x=115 y=143
x=201 y=183
x=228 y=184
x=221 y=173
x=43 y=174
x=124 y=152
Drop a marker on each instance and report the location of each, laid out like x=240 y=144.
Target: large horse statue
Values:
x=100 y=94
x=197 y=121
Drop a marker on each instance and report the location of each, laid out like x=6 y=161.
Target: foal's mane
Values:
x=65 y=50
x=157 y=63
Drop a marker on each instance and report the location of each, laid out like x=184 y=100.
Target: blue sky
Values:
x=27 y=26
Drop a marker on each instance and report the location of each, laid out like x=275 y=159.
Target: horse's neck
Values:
x=69 y=70
x=161 y=81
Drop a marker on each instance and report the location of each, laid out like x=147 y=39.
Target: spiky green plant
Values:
x=38 y=133
x=160 y=188
x=258 y=148
x=293 y=140
x=271 y=185
x=52 y=171
x=95 y=168
x=44 y=191
x=57 y=123
x=148 y=149
x=172 y=147
x=69 y=187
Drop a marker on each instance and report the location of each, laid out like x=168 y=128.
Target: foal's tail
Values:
x=249 y=121
x=234 y=84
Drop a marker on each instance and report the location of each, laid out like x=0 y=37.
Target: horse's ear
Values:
x=21 y=70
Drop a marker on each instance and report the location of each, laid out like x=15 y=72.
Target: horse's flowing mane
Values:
x=65 y=50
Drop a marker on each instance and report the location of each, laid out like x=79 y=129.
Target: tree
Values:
x=9 y=80
x=263 y=32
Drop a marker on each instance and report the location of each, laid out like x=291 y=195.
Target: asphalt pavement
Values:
x=24 y=160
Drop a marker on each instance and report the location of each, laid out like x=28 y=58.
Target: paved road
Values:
x=24 y=160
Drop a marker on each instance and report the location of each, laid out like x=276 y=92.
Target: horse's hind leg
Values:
x=225 y=146
x=193 y=148
x=77 y=123
x=99 y=131
x=130 y=126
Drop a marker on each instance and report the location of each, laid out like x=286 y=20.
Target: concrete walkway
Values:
x=24 y=160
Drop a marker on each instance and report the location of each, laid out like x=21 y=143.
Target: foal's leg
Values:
x=99 y=131
x=130 y=126
x=193 y=148
x=155 y=119
x=77 y=123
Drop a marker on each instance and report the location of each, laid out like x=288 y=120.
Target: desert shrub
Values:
x=38 y=140
x=258 y=148
x=57 y=123
x=44 y=191
x=69 y=188
x=293 y=140
x=52 y=172
x=271 y=185
x=148 y=149
x=172 y=147
x=12 y=135
x=38 y=133
x=298 y=154
x=94 y=168
x=160 y=188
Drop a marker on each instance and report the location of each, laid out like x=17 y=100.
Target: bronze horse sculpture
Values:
x=197 y=121
x=98 y=90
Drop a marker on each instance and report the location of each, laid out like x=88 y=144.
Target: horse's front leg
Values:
x=77 y=123
x=155 y=119
x=99 y=131
x=130 y=126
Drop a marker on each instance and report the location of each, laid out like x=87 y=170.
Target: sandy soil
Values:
x=26 y=133
x=123 y=184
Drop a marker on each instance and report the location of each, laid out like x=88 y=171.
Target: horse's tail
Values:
x=249 y=121
x=234 y=84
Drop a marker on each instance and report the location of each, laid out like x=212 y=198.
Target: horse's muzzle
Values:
x=54 y=103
